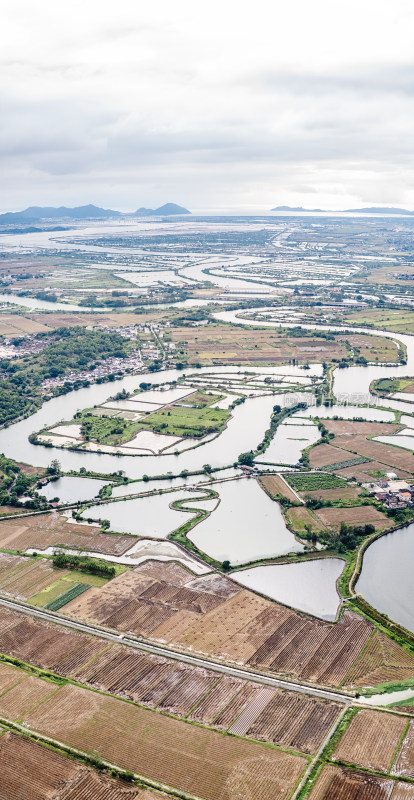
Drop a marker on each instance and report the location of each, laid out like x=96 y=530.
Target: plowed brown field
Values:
x=46 y=775
x=294 y=720
x=189 y=758
x=343 y=784
x=51 y=530
x=371 y=739
x=275 y=485
x=404 y=763
x=223 y=621
x=382 y=661
x=359 y=515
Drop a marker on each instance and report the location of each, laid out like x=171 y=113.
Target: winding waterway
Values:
x=386 y=578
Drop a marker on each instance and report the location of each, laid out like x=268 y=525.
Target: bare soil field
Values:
x=358 y=515
x=201 y=695
x=386 y=454
x=22 y=577
x=9 y=676
x=189 y=692
x=351 y=441
x=275 y=485
x=243 y=628
x=382 y=661
x=322 y=455
x=46 y=775
x=19 y=700
x=371 y=740
x=43 y=644
x=403 y=791
x=346 y=427
x=404 y=763
x=224 y=344
x=296 y=721
x=344 y=784
x=217 y=700
x=16 y=325
x=347 y=493
x=191 y=759
x=52 y=530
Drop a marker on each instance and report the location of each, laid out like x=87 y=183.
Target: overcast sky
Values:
x=218 y=106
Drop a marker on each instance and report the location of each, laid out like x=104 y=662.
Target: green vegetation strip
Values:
x=351 y=462
x=67 y=596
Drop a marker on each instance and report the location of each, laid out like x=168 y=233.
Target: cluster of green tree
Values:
x=197 y=315
x=325 y=435
x=50 y=296
x=71 y=349
x=350 y=536
x=83 y=564
x=400 y=515
x=14 y=483
x=13 y=403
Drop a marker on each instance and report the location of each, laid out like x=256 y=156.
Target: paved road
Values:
x=166 y=652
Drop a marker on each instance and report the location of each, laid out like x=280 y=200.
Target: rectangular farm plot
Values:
x=403 y=791
x=404 y=763
x=9 y=677
x=343 y=784
x=295 y=720
x=217 y=700
x=43 y=774
x=52 y=530
x=40 y=771
x=25 y=696
x=252 y=710
x=39 y=643
x=371 y=739
x=189 y=692
x=188 y=758
x=358 y=515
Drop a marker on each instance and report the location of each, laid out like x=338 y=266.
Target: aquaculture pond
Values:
x=69 y=489
x=144 y=516
x=386 y=579
x=289 y=441
x=308 y=586
x=246 y=525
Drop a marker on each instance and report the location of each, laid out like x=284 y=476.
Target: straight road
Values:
x=166 y=652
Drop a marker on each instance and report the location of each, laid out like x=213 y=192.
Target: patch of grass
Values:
x=179 y=421
x=202 y=398
x=303 y=483
x=61 y=585
x=106 y=430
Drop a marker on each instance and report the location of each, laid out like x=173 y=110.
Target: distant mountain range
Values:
x=369 y=210
x=37 y=213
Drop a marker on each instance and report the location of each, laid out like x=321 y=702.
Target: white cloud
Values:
x=213 y=105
